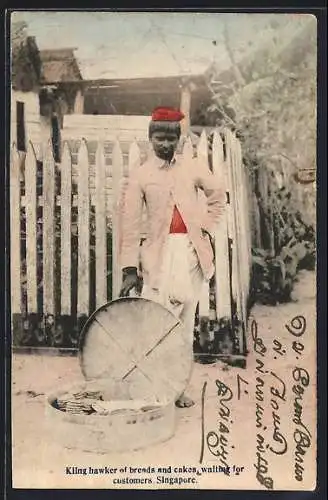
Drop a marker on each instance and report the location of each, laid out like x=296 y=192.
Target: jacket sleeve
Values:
x=214 y=190
x=130 y=216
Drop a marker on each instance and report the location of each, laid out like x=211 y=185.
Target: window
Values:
x=20 y=132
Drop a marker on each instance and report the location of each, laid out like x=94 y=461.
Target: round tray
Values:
x=140 y=342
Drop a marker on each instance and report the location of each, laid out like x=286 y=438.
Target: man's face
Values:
x=164 y=144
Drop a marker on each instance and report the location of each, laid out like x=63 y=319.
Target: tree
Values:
x=25 y=59
x=269 y=98
x=272 y=93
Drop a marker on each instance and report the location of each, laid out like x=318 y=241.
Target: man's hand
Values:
x=130 y=281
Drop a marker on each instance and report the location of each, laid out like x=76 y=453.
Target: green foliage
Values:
x=273 y=276
x=274 y=98
x=26 y=65
x=269 y=98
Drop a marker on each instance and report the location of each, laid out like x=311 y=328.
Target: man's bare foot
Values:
x=184 y=402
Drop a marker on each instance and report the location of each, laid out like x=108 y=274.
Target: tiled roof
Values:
x=59 y=65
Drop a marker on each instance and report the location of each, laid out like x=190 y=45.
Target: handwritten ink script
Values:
x=301 y=378
x=279 y=393
x=265 y=410
x=218 y=441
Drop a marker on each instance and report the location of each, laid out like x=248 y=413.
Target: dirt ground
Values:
x=40 y=458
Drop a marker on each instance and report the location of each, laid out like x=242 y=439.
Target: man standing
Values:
x=177 y=255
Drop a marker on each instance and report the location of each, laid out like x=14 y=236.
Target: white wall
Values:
x=95 y=127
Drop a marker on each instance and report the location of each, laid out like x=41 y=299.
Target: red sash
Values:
x=177 y=224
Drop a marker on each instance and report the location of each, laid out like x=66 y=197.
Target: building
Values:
x=139 y=96
x=25 y=87
x=122 y=107
x=45 y=85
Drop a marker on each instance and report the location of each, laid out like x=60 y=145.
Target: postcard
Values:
x=163 y=250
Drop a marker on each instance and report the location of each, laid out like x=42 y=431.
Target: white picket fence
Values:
x=98 y=176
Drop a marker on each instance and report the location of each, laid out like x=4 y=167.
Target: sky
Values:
x=141 y=44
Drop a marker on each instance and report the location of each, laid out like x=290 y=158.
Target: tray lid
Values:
x=139 y=344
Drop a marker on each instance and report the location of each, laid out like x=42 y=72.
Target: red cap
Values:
x=162 y=114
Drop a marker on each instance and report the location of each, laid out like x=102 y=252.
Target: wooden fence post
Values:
x=83 y=283
x=222 y=271
x=202 y=156
x=48 y=231
x=236 y=267
x=117 y=175
x=66 y=230
x=101 y=227
x=134 y=161
x=31 y=220
x=15 y=233
x=240 y=225
x=245 y=212
x=242 y=235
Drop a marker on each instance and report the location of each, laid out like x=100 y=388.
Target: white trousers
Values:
x=180 y=283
